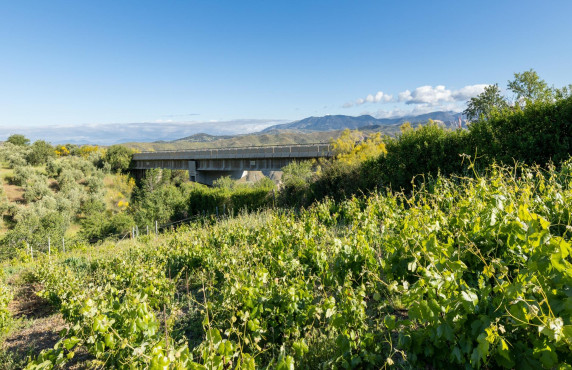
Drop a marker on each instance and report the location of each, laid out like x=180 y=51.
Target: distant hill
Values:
x=326 y=123
x=202 y=138
x=259 y=139
x=307 y=131
x=340 y=122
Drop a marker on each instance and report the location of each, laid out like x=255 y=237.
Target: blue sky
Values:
x=102 y=62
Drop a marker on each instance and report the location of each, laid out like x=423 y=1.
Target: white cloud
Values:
x=379 y=97
x=468 y=92
x=404 y=96
x=430 y=95
x=417 y=110
x=391 y=113
x=439 y=94
x=426 y=95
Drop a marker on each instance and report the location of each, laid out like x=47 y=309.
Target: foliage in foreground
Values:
x=6 y=296
x=465 y=272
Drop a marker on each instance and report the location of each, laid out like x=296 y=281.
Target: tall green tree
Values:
x=18 y=139
x=41 y=152
x=118 y=157
x=563 y=93
x=485 y=103
x=529 y=87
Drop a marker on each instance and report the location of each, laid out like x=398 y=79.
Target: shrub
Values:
x=35 y=188
x=164 y=204
x=36 y=223
x=100 y=225
x=296 y=179
x=538 y=133
x=201 y=199
x=225 y=182
x=21 y=175
x=15 y=155
x=17 y=139
x=40 y=153
x=118 y=157
x=6 y=296
x=429 y=149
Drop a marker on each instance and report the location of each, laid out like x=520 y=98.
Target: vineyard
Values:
x=463 y=272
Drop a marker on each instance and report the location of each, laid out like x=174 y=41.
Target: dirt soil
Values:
x=14 y=193
x=38 y=328
x=40 y=323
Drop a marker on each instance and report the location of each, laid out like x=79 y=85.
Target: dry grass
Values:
x=6 y=172
x=13 y=193
x=108 y=181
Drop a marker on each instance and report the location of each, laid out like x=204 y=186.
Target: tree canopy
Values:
x=528 y=86
x=118 y=157
x=41 y=152
x=485 y=103
x=18 y=139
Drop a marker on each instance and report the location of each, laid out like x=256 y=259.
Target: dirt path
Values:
x=37 y=324
x=14 y=193
x=37 y=328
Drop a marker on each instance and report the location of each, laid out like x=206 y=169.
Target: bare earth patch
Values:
x=38 y=329
x=14 y=193
x=39 y=326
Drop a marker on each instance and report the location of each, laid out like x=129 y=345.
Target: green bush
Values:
x=202 y=199
x=538 y=133
x=22 y=174
x=18 y=140
x=14 y=155
x=427 y=150
x=6 y=296
x=164 y=204
x=118 y=157
x=41 y=152
x=100 y=225
x=36 y=223
x=296 y=180
x=35 y=188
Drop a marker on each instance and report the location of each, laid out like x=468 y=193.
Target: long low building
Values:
x=207 y=165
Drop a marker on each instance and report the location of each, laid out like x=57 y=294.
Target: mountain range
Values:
x=305 y=131
x=218 y=133
x=340 y=122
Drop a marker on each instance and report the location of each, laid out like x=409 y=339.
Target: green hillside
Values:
x=282 y=138
x=260 y=139
x=477 y=266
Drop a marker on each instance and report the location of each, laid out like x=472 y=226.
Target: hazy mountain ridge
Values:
x=341 y=122
x=326 y=123
x=202 y=137
x=118 y=133
x=307 y=131
x=258 y=139
x=242 y=132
